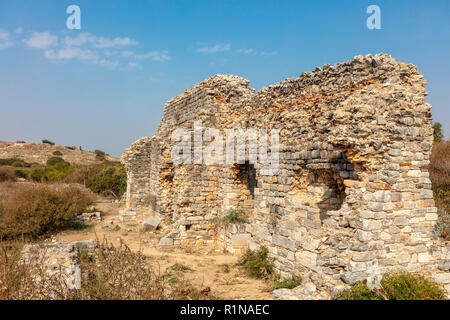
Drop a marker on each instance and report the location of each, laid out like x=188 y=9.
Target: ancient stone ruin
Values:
x=351 y=198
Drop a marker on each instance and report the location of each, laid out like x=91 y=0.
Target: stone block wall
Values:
x=352 y=197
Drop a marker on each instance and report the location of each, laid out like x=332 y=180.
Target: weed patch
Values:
x=396 y=286
x=232 y=216
x=257 y=264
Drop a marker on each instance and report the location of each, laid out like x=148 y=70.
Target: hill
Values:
x=41 y=152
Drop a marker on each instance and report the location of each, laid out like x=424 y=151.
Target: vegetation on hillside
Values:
x=48 y=142
x=106 y=178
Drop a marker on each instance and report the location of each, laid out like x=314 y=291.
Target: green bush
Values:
x=358 y=291
x=107 y=178
x=54 y=160
x=34 y=210
x=257 y=264
x=57 y=153
x=48 y=142
x=37 y=174
x=58 y=171
x=20 y=173
x=397 y=286
x=291 y=283
x=438 y=136
x=111 y=179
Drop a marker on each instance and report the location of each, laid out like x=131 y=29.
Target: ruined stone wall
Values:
x=352 y=197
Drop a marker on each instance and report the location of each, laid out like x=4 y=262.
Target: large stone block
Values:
x=151 y=223
x=306 y=258
x=240 y=239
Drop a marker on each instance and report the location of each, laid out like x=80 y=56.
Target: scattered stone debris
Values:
x=109 y=223
x=305 y=291
x=87 y=217
x=151 y=223
x=165 y=242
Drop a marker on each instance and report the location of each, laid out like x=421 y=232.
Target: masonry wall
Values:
x=352 y=197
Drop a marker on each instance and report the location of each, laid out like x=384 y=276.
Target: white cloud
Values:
x=99 y=42
x=246 y=51
x=77 y=41
x=71 y=53
x=254 y=52
x=80 y=54
x=116 y=42
x=215 y=48
x=91 y=49
x=19 y=30
x=4 y=35
x=132 y=65
x=108 y=64
x=271 y=53
x=41 y=40
x=154 y=55
x=5 y=41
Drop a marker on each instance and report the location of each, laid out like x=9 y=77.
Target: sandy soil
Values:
x=209 y=268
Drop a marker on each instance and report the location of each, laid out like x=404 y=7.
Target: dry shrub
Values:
x=7 y=174
x=440 y=178
x=19 y=278
x=121 y=274
x=110 y=273
x=32 y=210
x=440 y=164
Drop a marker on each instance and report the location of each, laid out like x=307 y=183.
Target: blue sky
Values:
x=105 y=86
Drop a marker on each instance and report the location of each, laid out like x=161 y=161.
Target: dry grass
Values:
x=7 y=174
x=19 y=278
x=112 y=273
x=32 y=210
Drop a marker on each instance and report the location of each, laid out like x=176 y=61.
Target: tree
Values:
x=438 y=136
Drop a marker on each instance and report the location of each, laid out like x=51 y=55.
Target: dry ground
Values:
x=206 y=267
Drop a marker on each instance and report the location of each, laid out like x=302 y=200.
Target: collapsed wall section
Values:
x=351 y=198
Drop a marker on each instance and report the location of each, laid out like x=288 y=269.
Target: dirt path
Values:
x=207 y=268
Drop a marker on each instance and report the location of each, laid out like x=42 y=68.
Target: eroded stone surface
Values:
x=59 y=260
x=352 y=197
